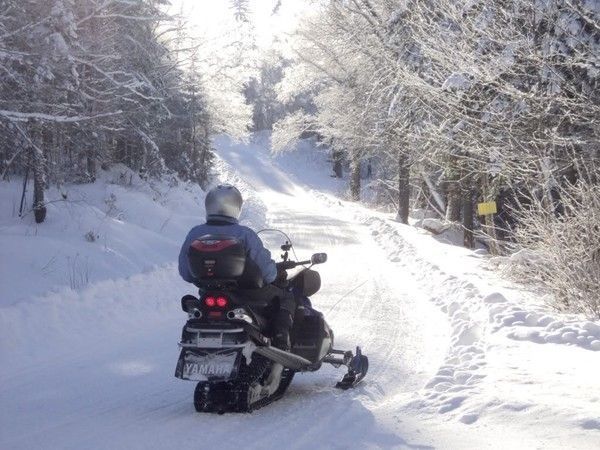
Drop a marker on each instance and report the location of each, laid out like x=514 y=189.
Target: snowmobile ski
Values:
x=357 y=369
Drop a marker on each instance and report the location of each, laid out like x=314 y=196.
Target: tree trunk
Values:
x=204 y=154
x=453 y=202
x=91 y=164
x=355 y=178
x=39 y=180
x=403 y=187
x=337 y=163
x=467 y=207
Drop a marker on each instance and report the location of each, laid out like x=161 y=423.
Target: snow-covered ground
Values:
x=458 y=357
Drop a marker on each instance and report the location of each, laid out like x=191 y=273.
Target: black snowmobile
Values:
x=226 y=342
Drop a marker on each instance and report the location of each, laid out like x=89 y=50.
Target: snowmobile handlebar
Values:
x=317 y=258
x=286 y=265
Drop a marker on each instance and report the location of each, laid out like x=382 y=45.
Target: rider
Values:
x=223 y=206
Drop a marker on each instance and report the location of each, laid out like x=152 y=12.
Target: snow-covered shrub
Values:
x=435 y=226
x=91 y=236
x=111 y=205
x=563 y=248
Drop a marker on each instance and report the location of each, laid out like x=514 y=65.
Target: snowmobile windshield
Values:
x=278 y=242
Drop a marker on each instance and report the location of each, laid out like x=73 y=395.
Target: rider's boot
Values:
x=281 y=340
x=281 y=328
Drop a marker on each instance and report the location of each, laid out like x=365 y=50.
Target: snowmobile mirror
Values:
x=318 y=258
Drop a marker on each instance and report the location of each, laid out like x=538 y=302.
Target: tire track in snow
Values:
x=370 y=324
x=458 y=377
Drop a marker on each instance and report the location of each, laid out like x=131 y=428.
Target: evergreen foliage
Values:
x=88 y=83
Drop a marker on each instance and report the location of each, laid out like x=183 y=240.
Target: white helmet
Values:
x=223 y=200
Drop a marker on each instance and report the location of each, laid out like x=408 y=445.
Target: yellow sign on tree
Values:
x=487 y=208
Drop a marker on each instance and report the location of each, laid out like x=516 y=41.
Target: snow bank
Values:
x=543 y=327
x=435 y=226
x=458 y=377
x=69 y=321
x=483 y=373
x=103 y=259
x=113 y=228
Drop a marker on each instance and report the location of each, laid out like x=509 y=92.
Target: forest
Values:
x=430 y=104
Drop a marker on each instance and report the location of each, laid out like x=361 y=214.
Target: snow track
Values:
x=100 y=374
x=457 y=378
x=93 y=368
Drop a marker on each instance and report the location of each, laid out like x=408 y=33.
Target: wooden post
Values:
x=489 y=224
x=24 y=191
x=489 y=209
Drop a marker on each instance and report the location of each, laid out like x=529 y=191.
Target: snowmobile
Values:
x=226 y=341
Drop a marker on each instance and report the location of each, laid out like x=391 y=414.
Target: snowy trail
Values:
x=116 y=389
x=97 y=370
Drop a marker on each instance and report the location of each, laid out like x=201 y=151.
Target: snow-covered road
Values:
x=104 y=378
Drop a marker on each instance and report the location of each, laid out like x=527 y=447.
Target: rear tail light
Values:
x=219 y=302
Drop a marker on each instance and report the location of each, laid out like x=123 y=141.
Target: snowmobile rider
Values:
x=223 y=206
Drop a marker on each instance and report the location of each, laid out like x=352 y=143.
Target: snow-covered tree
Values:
x=470 y=101
x=91 y=83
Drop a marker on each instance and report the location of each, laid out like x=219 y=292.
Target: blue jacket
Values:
x=254 y=246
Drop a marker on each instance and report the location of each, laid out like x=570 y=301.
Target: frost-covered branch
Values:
x=24 y=117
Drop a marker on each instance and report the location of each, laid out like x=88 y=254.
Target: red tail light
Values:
x=220 y=302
